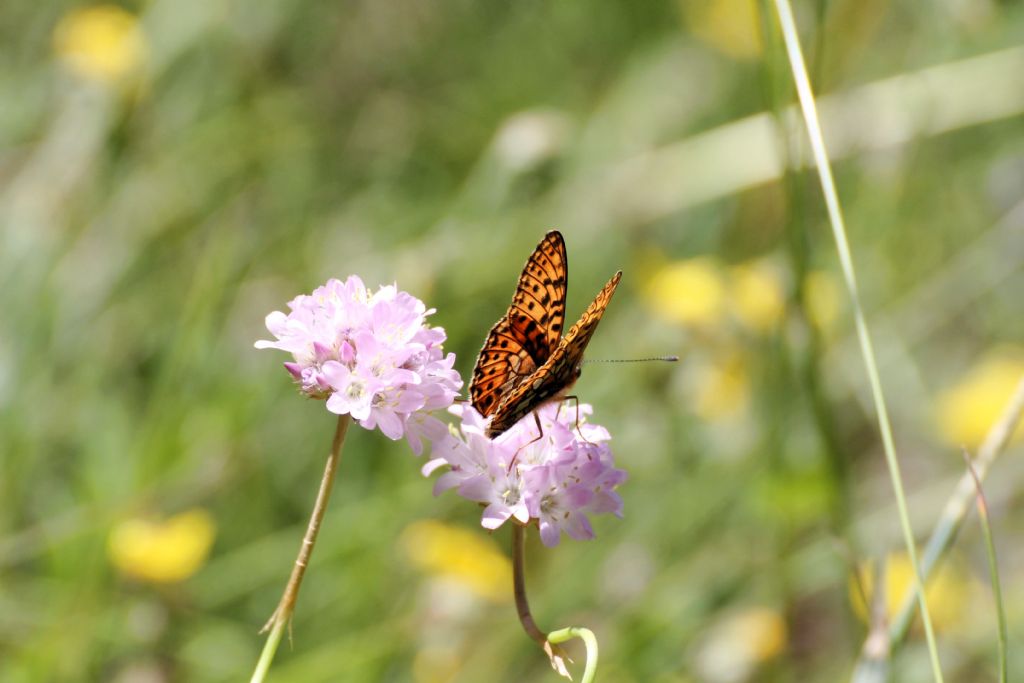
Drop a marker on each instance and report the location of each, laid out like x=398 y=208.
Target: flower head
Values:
x=556 y=479
x=370 y=355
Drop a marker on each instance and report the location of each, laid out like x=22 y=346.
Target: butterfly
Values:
x=525 y=361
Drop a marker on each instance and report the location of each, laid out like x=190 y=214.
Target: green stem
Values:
x=286 y=607
x=269 y=649
x=806 y=96
x=589 y=640
x=993 y=566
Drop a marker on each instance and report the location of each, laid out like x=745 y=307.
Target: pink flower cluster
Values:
x=557 y=479
x=371 y=355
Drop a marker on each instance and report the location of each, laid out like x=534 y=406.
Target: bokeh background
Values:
x=172 y=171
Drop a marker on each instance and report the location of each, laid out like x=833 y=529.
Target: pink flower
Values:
x=370 y=355
x=556 y=480
x=353 y=391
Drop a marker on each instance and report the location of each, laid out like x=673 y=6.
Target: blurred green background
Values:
x=171 y=172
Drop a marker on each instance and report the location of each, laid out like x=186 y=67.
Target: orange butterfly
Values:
x=525 y=361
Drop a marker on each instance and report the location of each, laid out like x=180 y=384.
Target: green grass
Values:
x=145 y=233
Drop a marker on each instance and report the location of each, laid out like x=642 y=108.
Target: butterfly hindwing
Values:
x=502 y=362
x=529 y=332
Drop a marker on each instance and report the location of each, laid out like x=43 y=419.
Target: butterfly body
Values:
x=525 y=361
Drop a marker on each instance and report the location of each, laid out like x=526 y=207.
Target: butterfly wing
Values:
x=576 y=339
x=559 y=372
x=529 y=332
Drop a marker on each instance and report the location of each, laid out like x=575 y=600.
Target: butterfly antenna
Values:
x=670 y=359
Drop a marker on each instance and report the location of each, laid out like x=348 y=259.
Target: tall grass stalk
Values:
x=956 y=507
x=805 y=357
x=993 y=565
x=803 y=86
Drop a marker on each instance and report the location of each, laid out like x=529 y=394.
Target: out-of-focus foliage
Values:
x=170 y=172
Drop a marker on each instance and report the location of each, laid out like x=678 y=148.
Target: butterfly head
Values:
x=577 y=370
x=568 y=381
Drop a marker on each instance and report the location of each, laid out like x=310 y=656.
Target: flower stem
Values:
x=283 y=614
x=555 y=654
x=587 y=636
x=269 y=649
x=519 y=583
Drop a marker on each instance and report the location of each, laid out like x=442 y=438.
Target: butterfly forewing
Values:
x=558 y=373
x=540 y=292
x=529 y=332
x=576 y=339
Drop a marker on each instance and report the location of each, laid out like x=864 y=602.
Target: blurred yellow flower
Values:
x=733 y=27
x=967 y=410
x=758 y=299
x=689 y=292
x=823 y=299
x=723 y=387
x=740 y=642
x=459 y=554
x=102 y=43
x=947 y=591
x=162 y=551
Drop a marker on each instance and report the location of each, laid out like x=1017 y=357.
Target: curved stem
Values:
x=519 y=584
x=555 y=654
x=589 y=641
x=283 y=614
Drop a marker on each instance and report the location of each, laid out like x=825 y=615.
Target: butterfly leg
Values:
x=540 y=435
x=577 y=399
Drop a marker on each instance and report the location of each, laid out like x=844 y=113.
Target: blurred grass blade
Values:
x=881 y=115
x=873 y=664
x=870 y=669
x=993 y=565
x=956 y=507
x=803 y=85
